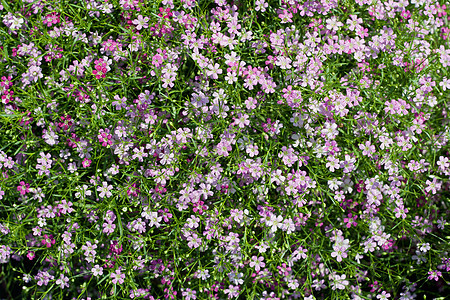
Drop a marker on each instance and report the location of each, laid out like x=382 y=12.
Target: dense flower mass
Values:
x=222 y=149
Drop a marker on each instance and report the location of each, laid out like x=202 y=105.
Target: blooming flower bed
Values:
x=184 y=149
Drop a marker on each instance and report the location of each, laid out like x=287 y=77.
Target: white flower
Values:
x=154 y=220
x=338 y=281
x=383 y=296
x=42 y=222
x=334 y=183
x=333 y=24
x=262 y=248
x=275 y=222
x=192 y=222
x=203 y=274
x=141 y=22
x=105 y=190
x=288 y=226
x=16 y=23
x=62 y=281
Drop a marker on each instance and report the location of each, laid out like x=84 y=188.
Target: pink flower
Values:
x=353 y=22
x=350 y=221
x=100 y=62
x=117 y=277
x=31 y=255
x=257 y=263
x=166 y=14
x=406 y=14
x=99 y=72
x=368 y=148
x=441 y=10
x=362 y=32
x=48 y=241
x=285 y=16
x=242 y=120
x=23 y=188
x=213 y=71
x=86 y=162
x=50 y=19
x=108 y=228
x=141 y=22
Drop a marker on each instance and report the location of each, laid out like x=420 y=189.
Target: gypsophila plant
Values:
x=195 y=149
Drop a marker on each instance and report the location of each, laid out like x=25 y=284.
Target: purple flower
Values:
x=105 y=190
x=43 y=278
x=435 y=274
x=5 y=252
x=232 y=291
x=97 y=270
x=368 y=148
x=214 y=71
x=433 y=186
x=108 y=228
x=189 y=294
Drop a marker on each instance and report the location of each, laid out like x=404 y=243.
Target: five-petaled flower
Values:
x=86 y=162
x=435 y=274
x=105 y=190
x=141 y=22
x=117 y=277
x=48 y=240
x=257 y=263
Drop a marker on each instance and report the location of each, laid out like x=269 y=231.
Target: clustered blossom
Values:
x=51 y=19
x=43 y=278
x=340 y=248
x=44 y=164
x=105 y=138
x=101 y=68
x=5 y=253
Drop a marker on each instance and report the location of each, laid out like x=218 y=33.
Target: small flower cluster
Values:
x=100 y=69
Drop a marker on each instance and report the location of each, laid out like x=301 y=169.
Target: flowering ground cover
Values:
x=260 y=149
